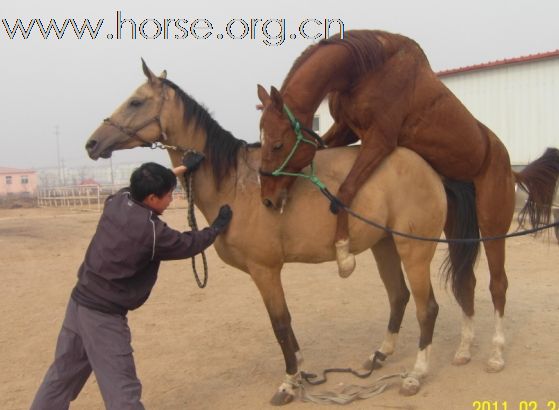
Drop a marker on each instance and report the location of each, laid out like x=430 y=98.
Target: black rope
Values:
x=338 y=203
x=379 y=356
x=194 y=226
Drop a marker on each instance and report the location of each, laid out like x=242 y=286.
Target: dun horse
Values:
x=405 y=194
x=383 y=92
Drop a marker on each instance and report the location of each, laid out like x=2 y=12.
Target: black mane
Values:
x=221 y=147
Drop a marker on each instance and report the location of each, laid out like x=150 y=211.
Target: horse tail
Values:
x=458 y=267
x=539 y=180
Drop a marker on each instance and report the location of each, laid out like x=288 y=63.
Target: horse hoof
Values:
x=346 y=267
x=494 y=365
x=345 y=259
x=370 y=365
x=410 y=386
x=460 y=360
x=281 y=398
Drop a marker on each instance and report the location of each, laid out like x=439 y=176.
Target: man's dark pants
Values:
x=91 y=340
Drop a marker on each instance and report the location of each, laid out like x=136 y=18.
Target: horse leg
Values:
x=416 y=259
x=339 y=135
x=495 y=209
x=390 y=270
x=367 y=161
x=268 y=282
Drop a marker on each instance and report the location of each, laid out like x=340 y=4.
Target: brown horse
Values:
x=405 y=194
x=383 y=92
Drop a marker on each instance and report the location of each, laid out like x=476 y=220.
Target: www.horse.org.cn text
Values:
x=270 y=31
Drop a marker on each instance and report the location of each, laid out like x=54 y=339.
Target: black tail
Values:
x=539 y=180
x=461 y=222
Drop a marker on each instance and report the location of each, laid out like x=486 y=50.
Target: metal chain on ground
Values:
x=194 y=226
x=352 y=392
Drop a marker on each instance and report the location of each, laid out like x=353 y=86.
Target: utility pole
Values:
x=63 y=173
x=57 y=134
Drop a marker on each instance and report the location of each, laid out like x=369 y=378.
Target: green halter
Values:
x=296 y=125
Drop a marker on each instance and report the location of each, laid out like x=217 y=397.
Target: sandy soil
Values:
x=214 y=348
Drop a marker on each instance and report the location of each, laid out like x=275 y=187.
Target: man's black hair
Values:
x=151 y=178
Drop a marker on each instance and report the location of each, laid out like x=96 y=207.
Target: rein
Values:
x=334 y=200
x=191 y=216
x=194 y=226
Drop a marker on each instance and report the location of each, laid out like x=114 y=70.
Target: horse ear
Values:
x=163 y=75
x=149 y=74
x=277 y=100
x=263 y=94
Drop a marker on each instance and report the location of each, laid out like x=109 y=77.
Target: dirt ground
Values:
x=215 y=349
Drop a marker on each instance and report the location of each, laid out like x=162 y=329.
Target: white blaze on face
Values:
x=262 y=136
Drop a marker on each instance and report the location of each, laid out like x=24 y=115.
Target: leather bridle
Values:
x=133 y=132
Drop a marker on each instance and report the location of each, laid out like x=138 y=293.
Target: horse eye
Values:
x=277 y=146
x=136 y=103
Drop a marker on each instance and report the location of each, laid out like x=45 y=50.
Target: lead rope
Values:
x=194 y=226
x=351 y=392
x=309 y=377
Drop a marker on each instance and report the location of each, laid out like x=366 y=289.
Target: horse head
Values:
x=282 y=152
x=137 y=122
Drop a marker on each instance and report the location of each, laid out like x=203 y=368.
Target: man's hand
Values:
x=192 y=160
x=223 y=218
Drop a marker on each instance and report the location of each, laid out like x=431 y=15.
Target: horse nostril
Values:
x=267 y=203
x=90 y=145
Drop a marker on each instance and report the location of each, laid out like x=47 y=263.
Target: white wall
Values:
x=325 y=119
x=519 y=102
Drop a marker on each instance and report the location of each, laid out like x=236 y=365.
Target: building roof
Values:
x=89 y=181
x=500 y=63
x=4 y=170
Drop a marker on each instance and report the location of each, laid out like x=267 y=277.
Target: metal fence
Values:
x=89 y=197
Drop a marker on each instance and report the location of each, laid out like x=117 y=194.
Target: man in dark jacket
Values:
x=117 y=275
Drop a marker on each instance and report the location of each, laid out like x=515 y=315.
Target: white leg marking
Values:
x=290 y=383
x=496 y=361
x=411 y=384
x=299 y=358
x=463 y=354
x=388 y=345
x=421 y=363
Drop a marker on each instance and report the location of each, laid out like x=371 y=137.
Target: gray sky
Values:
x=76 y=83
